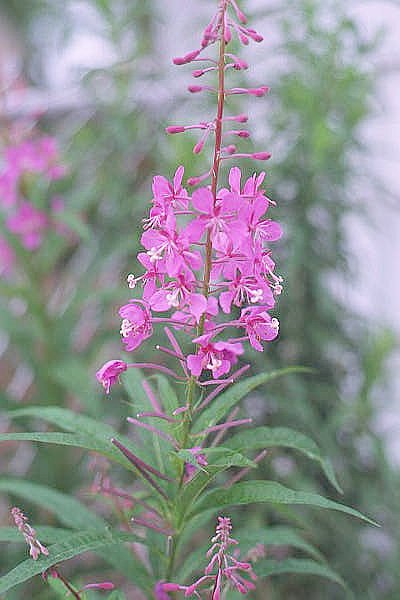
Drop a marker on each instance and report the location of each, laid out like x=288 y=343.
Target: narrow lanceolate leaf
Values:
x=272 y=437
x=227 y=400
x=303 y=566
x=86 y=442
x=249 y=492
x=275 y=535
x=79 y=424
x=76 y=544
x=48 y=535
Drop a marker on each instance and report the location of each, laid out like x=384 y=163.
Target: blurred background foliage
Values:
x=112 y=139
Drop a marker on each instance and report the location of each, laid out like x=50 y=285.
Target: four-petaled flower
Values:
x=217 y=357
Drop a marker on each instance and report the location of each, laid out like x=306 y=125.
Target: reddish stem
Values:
x=217 y=149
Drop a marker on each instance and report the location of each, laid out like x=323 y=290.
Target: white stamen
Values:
x=214 y=363
x=173 y=298
x=126 y=327
x=256 y=295
x=154 y=254
x=275 y=324
x=131 y=281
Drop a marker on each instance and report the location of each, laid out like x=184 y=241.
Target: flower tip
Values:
x=174 y=129
x=261 y=155
x=195 y=89
x=183 y=60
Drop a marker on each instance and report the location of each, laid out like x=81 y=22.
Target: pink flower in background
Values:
x=7 y=258
x=110 y=372
x=21 y=521
x=29 y=224
x=23 y=165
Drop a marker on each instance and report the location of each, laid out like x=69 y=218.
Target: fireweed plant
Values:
x=209 y=280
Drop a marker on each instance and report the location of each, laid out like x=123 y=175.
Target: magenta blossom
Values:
x=110 y=372
x=259 y=325
x=29 y=224
x=179 y=293
x=136 y=324
x=217 y=357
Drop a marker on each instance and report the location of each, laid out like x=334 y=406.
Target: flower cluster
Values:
x=223 y=568
x=23 y=164
x=179 y=233
x=21 y=521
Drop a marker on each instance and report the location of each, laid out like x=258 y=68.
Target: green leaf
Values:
x=72 y=374
x=76 y=423
x=227 y=400
x=270 y=437
x=76 y=544
x=167 y=394
x=44 y=534
x=71 y=439
x=82 y=425
x=304 y=566
x=249 y=492
x=275 y=535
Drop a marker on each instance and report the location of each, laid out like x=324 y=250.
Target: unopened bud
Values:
x=183 y=60
x=174 y=129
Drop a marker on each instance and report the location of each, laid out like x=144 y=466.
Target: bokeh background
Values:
x=97 y=76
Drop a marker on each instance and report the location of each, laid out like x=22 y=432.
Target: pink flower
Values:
x=217 y=357
x=168 y=194
x=201 y=460
x=136 y=324
x=149 y=278
x=170 y=248
x=9 y=187
x=214 y=217
x=110 y=372
x=243 y=289
x=259 y=325
x=179 y=293
x=21 y=521
x=29 y=224
x=7 y=258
